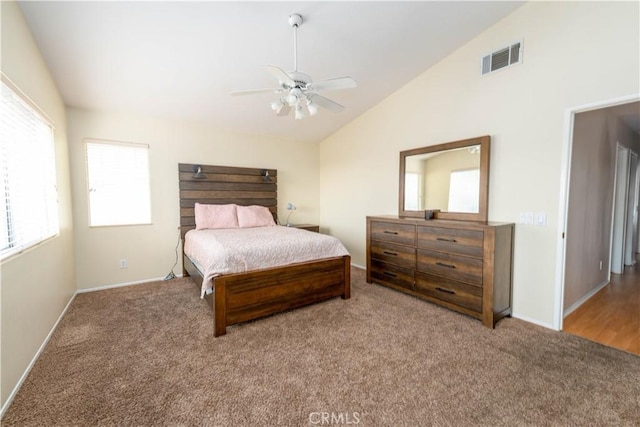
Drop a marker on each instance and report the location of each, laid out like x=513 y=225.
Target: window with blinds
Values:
x=118 y=177
x=28 y=193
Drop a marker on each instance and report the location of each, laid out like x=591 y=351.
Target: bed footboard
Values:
x=247 y=296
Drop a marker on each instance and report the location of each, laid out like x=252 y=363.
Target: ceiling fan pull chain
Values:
x=295 y=48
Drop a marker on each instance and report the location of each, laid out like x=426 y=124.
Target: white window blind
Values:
x=118 y=176
x=28 y=194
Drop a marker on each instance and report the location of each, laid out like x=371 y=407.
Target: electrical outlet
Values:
x=123 y=263
x=541 y=218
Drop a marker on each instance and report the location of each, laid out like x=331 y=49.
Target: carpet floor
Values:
x=145 y=355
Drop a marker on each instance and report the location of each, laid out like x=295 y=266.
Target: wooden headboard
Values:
x=222 y=185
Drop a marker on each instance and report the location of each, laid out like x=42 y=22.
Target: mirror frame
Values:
x=485 y=151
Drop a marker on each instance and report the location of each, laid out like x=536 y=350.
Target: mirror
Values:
x=452 y=178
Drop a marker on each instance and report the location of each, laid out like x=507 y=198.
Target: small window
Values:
x=28 y=193
x=118 y=177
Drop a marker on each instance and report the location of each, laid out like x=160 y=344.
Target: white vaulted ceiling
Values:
x=183 y=59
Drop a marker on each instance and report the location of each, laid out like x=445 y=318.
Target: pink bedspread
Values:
x=224 y=251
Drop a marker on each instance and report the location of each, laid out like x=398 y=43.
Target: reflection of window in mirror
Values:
x=464 y=190
x=412 y=192
x=439 y=168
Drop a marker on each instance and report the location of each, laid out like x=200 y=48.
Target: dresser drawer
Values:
x=456 y=267
x=460 y=294
x=463 y=242
x=402 y=256
x=394 y=233
x=391 y=274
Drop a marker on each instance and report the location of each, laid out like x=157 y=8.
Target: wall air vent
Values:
x=502 y=58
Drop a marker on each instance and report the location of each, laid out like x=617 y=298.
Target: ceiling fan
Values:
x=297 y=90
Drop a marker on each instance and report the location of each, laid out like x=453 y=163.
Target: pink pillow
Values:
x=254 y=216
x=215 y=216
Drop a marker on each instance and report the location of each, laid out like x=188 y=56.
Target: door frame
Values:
x=619 y=209
x=563 y=205
x=632 y=209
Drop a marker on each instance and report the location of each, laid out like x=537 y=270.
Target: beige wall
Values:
x=36 y=285
x=595 y=137
x=569 y=49
x=149 y=249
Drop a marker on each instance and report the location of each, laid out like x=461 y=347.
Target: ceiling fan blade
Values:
x=333 y=84
x=280 y=74
x=255 y=91
x=326 y=103
x=284 y=110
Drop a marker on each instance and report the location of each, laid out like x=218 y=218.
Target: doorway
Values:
x=596 y=238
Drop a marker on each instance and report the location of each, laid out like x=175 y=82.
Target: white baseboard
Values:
x=120 y=285
x=567 y=311
x=584 y=299
x=534 y=321
x=358 y=266
x=15 y=389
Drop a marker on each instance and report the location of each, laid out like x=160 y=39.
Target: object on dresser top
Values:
x=462 y=265
x=430 y=213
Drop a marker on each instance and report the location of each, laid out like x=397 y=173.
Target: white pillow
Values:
x=215 y=216
x=254 y=216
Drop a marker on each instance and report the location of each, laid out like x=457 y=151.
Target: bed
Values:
x=238 y=297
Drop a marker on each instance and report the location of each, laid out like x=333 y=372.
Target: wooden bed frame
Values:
x=246 y=296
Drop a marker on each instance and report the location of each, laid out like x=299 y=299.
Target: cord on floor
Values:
x=171 y=274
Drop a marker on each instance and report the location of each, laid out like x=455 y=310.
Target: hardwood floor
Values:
x=612 y=316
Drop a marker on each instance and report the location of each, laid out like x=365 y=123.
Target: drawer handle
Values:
x=390 y=253
x=386 y=273
x=446 y=291
x=390 y=232
x=442 y=239
x=442 y=264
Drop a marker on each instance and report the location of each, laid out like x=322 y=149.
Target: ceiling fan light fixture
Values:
x=300 y=114
x=294 y=97
x=277 y=105
x=313 y=108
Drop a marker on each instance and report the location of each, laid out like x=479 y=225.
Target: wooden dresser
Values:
x=462 y=265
